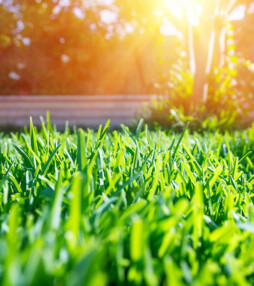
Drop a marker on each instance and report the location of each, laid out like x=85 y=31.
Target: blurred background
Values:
x=192 y=53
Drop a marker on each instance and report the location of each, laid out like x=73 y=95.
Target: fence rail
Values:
x=89 y=111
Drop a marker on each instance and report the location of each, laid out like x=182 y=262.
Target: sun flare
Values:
x=182 y=8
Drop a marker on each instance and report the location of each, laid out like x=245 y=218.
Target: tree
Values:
x=204 y=43
x=69 y=39
x=209 y=44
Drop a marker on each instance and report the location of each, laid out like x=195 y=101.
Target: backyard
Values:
x=126 y=142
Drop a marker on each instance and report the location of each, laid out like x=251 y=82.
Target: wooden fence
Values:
x=87 y=111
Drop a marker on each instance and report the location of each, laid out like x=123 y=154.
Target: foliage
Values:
x=231 y=86
x=44 y=42
x=229 y=103
x=93 y=56
x=174 y=107
x=142 y=208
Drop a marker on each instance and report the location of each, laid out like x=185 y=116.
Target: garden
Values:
x=166 y=200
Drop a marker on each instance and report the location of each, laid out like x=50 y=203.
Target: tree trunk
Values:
x=207 y=50
x=219 y=54
x=203 y=38
x=206 y=43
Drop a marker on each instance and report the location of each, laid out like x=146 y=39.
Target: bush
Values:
x=228 y=106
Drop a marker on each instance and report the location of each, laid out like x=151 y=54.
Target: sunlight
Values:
x=192 y=8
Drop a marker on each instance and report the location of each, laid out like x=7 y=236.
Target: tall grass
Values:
x=122 y=208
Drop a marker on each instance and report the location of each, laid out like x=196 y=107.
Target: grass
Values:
x=122 y=208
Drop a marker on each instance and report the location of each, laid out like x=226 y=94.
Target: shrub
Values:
x=229 y=103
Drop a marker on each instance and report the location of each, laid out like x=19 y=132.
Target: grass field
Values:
x=122 y=208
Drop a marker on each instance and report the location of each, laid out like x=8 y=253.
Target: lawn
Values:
x=126 y=208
